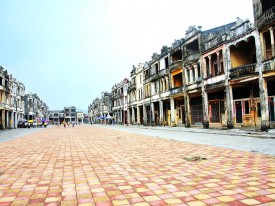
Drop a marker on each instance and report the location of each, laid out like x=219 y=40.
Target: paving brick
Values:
x=88 y=165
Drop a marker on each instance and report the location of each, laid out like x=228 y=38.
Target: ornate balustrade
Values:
x=242 y=71
x=267 y=17
x=175 y=65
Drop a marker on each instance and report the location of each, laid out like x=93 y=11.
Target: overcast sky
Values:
x=69 y=51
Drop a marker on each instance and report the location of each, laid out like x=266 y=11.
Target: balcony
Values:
x=266 y=18
x=215 y=80
x=177 y=90
x=242 y=71
x=192 y=57
x=269 y=65
x=132 y=87
x=163 y=72
x=152 y=78
x=175 y=65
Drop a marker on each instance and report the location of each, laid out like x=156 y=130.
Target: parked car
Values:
x=22 y=123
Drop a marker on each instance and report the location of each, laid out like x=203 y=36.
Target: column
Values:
x=205 y=122
x=272 y=41
x=187 y=110
x=263 y=83
x=128 y=116
x=195 y=66
x=204 y=75
x=218 y=61
x=152 y=115
x=172 y=105
x=138 y=115
x=133 y=115
x=186 y=75
x=263 y=50
x=160 y=111
x=191 y=74
x=144 y=115
x=229 y=107
x=264 y=103
x=210 y=66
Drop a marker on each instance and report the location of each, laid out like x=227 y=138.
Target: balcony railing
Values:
x=152 y=78
x=176 y=65
x=192 y=57
x=242 y=71
x=132 y=87
x=176 y=90
x=163 y=72
x=266 y=18
x=269 y=65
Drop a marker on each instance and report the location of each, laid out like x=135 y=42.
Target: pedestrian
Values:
x=10 y=123
x=64 y=123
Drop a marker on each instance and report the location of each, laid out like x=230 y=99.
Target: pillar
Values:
x=186 y=76
x=218 y=61
x=264 y=103
x=144 y=115
x=210 y=66
x=161 y=111
x=138 y=115
x=229 y=107
x=263 y=50
x=272 y=41
x=228 y=89
x=263 y=83
x=152 y=115
x=191 y=74
x=172 y=103
x=187 y=110
x=195 y=66
x=205 y=122
x=133 y=115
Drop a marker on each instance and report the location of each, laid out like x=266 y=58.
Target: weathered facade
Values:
x=11 y=100
x=34 y=107
x=264 y=17
x=120 y=102
x=222 y=77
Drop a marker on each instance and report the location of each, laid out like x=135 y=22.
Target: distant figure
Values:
x=10 y=123
x=73 y=124
x=64 y=123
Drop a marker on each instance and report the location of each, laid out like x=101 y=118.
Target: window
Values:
x=246 y=107
x=259 y=109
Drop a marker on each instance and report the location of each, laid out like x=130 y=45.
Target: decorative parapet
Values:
x=267 y=17
x=269 y=65
x=151 y=78
x=215 y=80
x=242 y=71
x=192 y=57
x=192 y=31
x=163 y=72
x=177 y=43
x=240 y=28
x=177 y=90
x=175 y=65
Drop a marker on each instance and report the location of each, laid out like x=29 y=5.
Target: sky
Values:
x=69 y=51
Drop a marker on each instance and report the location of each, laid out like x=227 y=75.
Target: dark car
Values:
x=22 y=123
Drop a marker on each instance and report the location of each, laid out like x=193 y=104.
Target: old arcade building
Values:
x=192 y=81
x=264 y=17
x=119 y=98
x=176 y=114
x=132 y=98
x=214 y=79
x=244 y=66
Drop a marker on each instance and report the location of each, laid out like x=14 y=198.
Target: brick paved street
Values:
x=89 y=165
